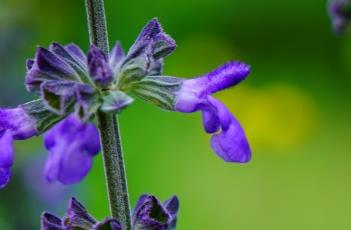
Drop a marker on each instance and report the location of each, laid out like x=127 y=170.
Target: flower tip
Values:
x=155 y=21
x=50 y=221
x=75 y=207
x=239 y=67
x=172 y=205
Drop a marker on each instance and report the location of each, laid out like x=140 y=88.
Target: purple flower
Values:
x=72 y=88
x=340 y=13
x=15 y=124
x=150 y=214
x=145 y=57
x=77 y=217
x=71 y=145
x=191 y=95
x=195 y=95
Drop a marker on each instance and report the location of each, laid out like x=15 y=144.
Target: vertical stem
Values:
x=115 y=174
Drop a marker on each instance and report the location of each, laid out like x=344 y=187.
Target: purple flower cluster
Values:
x=195 y=95
x=72 y=87
x=149 y=214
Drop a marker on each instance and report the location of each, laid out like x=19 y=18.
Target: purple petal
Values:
x=17 y=122
x=50 y=222
x=6 y=157
x=163 y=46
x=99 y=68
x=48 y=66
x=150 y=30
x=71 y=145
x=232 y=145
x=187 y=101
x=116 y=56
x=210 y=121
x=77 y=215
x=221 y=78
x=51 y=63
x=71 y=58
x=6 y=149
x=223 y=114
x=153 y=41
x=149 y=213
x=172 y=205
x=74 y=50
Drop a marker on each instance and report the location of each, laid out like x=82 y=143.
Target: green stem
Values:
x=115 y=174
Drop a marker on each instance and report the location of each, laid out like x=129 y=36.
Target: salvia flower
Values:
x=68 y=162
x=151 y=214
x=190 y=95
x=77 y=217
x=72 y=87
x=340 y=13
x=15 y=124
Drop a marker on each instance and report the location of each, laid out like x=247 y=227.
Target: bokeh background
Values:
x=295 y=108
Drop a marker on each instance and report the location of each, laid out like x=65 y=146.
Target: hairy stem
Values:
x=115 y=174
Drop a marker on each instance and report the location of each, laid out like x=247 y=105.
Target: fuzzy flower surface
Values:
x=71 y=87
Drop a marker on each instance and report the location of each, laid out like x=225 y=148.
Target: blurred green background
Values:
x=295 y=108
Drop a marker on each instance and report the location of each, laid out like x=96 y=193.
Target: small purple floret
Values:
x=152 y=45
x=15 y=124
x=18 y=122
x=50 y=222
x=150 y=213
x=195 y=95
x=99 y=68
x=116 y=56
x=71 y=144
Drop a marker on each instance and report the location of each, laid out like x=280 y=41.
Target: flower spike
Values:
x=72 y=146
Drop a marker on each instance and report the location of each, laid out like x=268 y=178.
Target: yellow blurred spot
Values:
x=279 y=116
